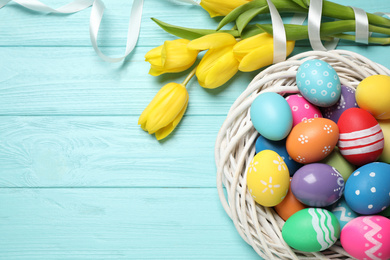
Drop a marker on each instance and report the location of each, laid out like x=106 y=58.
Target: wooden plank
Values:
x=117 y=224
x=105 y=152
x=74 y=81
x=21 y=27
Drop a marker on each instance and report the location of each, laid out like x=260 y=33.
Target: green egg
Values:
x=311 y=230
x=336 y=160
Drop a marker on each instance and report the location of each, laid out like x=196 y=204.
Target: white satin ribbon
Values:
x=279 y=34
x=95 y=19
x=314 y=25
x=361 y=29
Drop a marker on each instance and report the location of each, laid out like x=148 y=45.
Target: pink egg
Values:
x=302 y=109
x=367 y=237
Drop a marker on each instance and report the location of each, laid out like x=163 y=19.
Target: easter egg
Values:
x=280 y=148
x=318 y=82
x=367 y=237
x=336 y=160
x=311 y=230
x=289 y=206
x=361 y=139
x=347 y=100
x=317 y=185
x=302 y=109
x=367 y=190
x=373 y=95
x=312 y=140
x=271 y=116
x=342 y=212
x=385 y=126
x=268 y=178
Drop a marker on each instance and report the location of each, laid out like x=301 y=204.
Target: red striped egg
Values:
x=361 y=139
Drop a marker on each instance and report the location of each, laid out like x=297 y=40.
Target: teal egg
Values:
x=311 y=230
x=343 y=212
x=271 y=116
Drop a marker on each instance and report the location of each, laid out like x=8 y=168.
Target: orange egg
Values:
x=312 y=140
x=288 y=206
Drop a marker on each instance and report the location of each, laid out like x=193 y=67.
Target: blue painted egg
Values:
x=342 y=212
x=280 y=148
x=319 y=83
x=367 y=190
x=271 y=116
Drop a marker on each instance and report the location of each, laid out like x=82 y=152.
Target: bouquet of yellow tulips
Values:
x=246 y=47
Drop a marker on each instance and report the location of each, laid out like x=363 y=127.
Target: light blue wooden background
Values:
x=78 y=178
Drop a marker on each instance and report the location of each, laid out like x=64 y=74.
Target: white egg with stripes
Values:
x=311 y=230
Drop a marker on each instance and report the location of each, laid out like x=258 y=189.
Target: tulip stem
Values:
x=189 y=77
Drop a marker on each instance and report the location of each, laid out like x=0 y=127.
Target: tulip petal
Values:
x=175 y=54
x=167 y=109
x=164 y=132
x=161 y=94
x=245 y=46
x=223 y=69
x=221 y=7
x=261 y=57
x=208 y=61
x=212 y=41
x=154 y=53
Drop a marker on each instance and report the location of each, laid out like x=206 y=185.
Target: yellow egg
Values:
x=373 y=95
x=385 y=125
x=268 y=178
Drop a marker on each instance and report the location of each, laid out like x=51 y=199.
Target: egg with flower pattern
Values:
x=312 y=140
x=268 y=178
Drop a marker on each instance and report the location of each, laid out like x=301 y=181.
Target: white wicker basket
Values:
x=260 y=226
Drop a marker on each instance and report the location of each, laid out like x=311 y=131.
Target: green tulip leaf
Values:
x=251 y=30
x=299 y=32
x=243 y=20
x=189 y=33
x=233 y=15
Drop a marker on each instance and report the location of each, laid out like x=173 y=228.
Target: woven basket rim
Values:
x=260 y=226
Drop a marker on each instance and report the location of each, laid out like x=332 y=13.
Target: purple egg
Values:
x=317 y=185
x=347 y=100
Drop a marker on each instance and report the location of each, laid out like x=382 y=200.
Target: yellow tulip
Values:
x=165 y=111
x=257 y=52
x=221 y=7
x=218 y=65
x=172 y=56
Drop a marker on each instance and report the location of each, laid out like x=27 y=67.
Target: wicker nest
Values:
x=235 y=147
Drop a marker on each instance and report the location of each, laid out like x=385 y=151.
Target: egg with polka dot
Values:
x=347 y=100
x=367 y=190
x=318 y=82
x=268 y=179
x=302 y=109
x=367 y=237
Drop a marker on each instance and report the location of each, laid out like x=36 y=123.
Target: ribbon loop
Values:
x=279 y=34
x=361 y=30
x=314 y=25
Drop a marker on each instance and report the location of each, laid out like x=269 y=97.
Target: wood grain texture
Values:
x=110 y=151
x=74 y=81
x=78 y=178
x=21 y=27
x=117 y=224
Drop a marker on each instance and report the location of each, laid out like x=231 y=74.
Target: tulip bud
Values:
x=172 y=56
x=165 y=111
x=221 y=7
x=257 y=52
x=218 y=65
